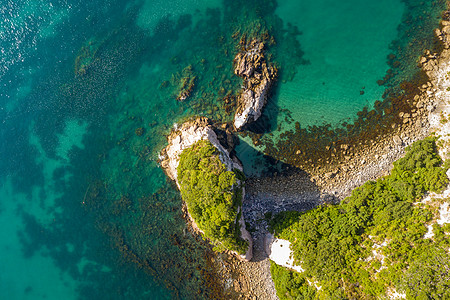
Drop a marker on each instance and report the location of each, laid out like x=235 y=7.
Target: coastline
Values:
x=93 y=90
x=303 y=191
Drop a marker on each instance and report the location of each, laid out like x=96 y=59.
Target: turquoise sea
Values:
x=88 y=92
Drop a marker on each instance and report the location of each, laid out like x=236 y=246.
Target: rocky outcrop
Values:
x=184 y=137
x=258 y=76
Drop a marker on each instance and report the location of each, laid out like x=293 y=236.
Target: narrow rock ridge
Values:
x=258 y=76
x=184 y=137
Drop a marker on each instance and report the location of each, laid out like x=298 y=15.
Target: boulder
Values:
x=397 y=140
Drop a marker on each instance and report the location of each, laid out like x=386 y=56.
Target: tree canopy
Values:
x=212 y=195
x=374 y=240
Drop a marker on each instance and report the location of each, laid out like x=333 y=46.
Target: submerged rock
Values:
x=185 y=82
x=258 y=76
x=184 y=137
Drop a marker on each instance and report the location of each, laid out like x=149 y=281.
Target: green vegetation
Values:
x=290 y=284
x=212 y=195
x=335 y=243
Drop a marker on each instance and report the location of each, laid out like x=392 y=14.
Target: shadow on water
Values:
x=273 y=185
x=283 y=188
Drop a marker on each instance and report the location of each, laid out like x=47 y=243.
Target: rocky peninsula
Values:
x=187 y=137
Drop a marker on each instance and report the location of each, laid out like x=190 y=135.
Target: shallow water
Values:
x=346 y=45
x=88 y=92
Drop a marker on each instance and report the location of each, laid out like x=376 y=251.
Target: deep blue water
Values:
x=85 y=211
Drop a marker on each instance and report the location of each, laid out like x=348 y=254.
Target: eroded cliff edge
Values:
x=187 y=137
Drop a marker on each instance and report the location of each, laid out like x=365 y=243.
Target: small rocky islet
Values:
x=258 y=75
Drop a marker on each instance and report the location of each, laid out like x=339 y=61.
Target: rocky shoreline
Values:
x=294 y=191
